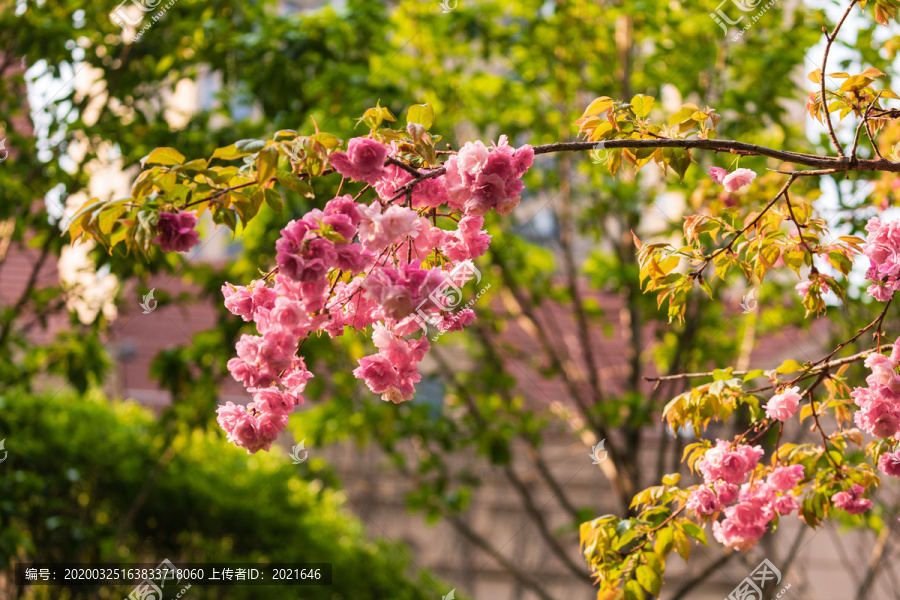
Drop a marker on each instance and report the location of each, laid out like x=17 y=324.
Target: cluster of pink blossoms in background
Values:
x=748 y=506
x=883 y=249
x=879 y=402
x=725 y=467
x=852 y=500
x=176 y=232
x=381 y=246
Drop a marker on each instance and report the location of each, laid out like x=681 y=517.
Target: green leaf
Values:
x=633 y=590
x=754 y=374
x=840 y=262
x=274 y=200
x=250 y=146
x=642 y=105
x=109 y=216
x=681 y=116
x=248 y=204
x=423 y=114
x=671 y=479
x=677 y=158
x=682 y=544
x=229 y=153
x=197 y=164
x=292 y=182
x=328 y=140
x=694 y=530
x=704 y=285
x=789 y=366
x=266 y=163
x=665 y=540
x=163 y=156
x=649 y=579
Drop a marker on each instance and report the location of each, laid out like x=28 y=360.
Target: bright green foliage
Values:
x=76 y=469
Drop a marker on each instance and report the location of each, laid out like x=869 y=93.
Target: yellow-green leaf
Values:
x=164 y=156
x=423 y=114
x=266 y=163
x=642 y=105
x=649 y=579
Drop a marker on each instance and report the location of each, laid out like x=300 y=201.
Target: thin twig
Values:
x=831 y=39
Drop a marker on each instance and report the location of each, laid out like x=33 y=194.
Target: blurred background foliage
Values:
x=79 y=462
x=525 y=69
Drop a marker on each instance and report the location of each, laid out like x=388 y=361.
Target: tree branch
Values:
x=831 y=39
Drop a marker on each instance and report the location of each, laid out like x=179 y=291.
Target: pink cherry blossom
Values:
x=344 y=205
x=732 y=464
x=378 y=373
x=469 y=241
x=879 y=402
x=363 y=161
x=726 y=492
x=717 y=174
x=785 y=478
x=473 y=158
x=241 y=426
x=477 y=184
x=785 y=505
x=238 y=300
x=176 y=231
x=889 y=463
x=268 y=427
x=741 y=530
x=379 y=230
x=430 y=193
x=703 y=501
x=273 y=401
x=738 y=179
x=852 y=500
x=784 y=405
x=882 y=247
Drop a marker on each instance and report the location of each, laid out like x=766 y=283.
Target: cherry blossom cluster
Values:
x=883 y=249
x=748 y=506
x=176 y=232
x=817 y=281
x=879 y=402
x=383 y=264
x=852 y=500
x=784 y=405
